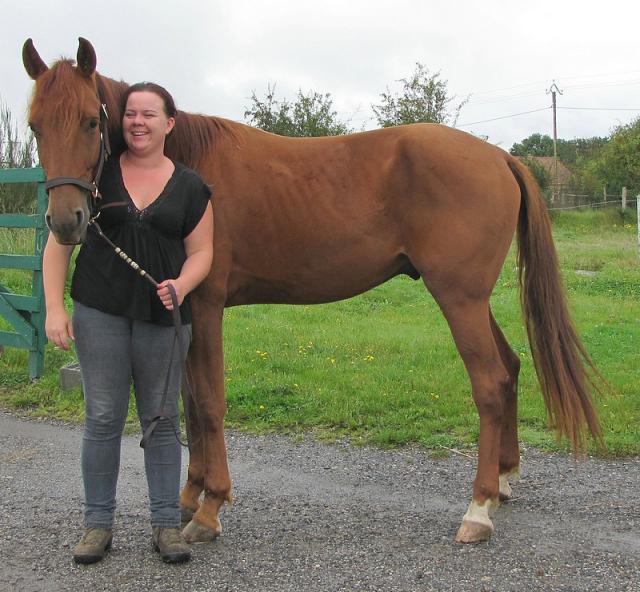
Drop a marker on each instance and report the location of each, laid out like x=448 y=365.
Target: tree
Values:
x=542 y=175
x=16 y=151
x=534 y=145
x=617 y=164
x=569 y=151
x=424 y=99
x=311 y=115
x=586 y=148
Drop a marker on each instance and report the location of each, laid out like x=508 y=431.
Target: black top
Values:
x=152 y=237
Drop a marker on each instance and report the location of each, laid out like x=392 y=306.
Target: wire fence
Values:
x=630 y=202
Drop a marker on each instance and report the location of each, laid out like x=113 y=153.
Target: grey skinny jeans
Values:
x=113 y=351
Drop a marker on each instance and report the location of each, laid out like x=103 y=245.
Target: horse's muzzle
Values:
x=70 y=231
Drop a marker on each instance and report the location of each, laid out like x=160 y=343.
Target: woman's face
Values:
x=145 y=123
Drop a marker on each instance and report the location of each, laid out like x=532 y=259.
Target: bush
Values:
x=16 y=151
x=542 y=176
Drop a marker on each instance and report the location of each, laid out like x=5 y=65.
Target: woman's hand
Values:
x=58 y=328
x=165 y=295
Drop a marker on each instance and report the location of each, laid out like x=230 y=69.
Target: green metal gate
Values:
x=25 y=313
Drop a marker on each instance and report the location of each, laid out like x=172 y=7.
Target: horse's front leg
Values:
x=190 y=494
x=208 y=470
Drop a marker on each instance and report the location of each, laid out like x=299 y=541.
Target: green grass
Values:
x=18 y=242
x=382 y=368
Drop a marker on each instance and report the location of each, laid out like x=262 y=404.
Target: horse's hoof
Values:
x=197 y=533
x=505 y=488
x=186 y=516
x=473 y=532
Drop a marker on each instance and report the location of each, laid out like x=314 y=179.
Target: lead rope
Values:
x=177 y=323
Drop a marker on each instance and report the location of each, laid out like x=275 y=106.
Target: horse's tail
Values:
x=558 y=353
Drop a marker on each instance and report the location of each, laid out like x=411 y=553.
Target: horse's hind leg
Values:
x=509 y=449
x=470 y=323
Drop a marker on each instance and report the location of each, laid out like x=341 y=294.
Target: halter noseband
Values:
x=92 y=187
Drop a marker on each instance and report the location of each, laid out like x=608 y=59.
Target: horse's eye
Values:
x=93 y=123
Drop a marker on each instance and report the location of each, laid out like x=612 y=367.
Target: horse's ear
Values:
x=32 y=61
x=86 y=57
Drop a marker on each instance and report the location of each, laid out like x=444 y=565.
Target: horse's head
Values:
x=65 y=116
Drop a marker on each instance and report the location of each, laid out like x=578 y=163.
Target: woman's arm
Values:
x=199 y=248
x=55 y=266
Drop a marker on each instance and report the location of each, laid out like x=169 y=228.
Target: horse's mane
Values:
x=191 y=140
x=54 y=96
x=194 y=136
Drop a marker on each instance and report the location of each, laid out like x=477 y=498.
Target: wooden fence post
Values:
x=624 y=198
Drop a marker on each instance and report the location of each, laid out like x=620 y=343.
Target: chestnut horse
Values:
x=310 y=220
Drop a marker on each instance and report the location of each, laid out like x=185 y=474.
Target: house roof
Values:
x=564 y=174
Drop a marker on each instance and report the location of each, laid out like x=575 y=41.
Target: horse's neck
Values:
x=110 y=92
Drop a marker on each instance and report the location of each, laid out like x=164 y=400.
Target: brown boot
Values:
x=170 y=544
x=93 y=545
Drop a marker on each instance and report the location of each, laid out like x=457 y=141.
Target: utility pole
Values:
x=553 y=89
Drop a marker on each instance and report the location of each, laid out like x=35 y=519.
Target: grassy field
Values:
x=382 y=368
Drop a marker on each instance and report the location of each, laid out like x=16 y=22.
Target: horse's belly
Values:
x=316 y=283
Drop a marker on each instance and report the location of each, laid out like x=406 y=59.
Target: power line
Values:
x=507 y=88
x=503 y=117
x=601 y=75
x=528 y=93
x=599 y=108
x=542 y=82
x=504 y=98
x=609 y=85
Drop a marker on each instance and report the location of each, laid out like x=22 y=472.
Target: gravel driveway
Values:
x=313 y=517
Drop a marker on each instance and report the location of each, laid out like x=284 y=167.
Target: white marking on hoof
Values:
x=476 y=525
x=505 y=488
x=513 y=476
x=481 y=512
x=197 y=533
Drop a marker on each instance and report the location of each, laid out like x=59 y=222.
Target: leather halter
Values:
x=92 y=187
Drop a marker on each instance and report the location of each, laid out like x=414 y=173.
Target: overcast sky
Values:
x=502 y=54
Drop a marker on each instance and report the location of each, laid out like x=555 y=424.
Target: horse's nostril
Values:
x=79 y=217
x=47 y=220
